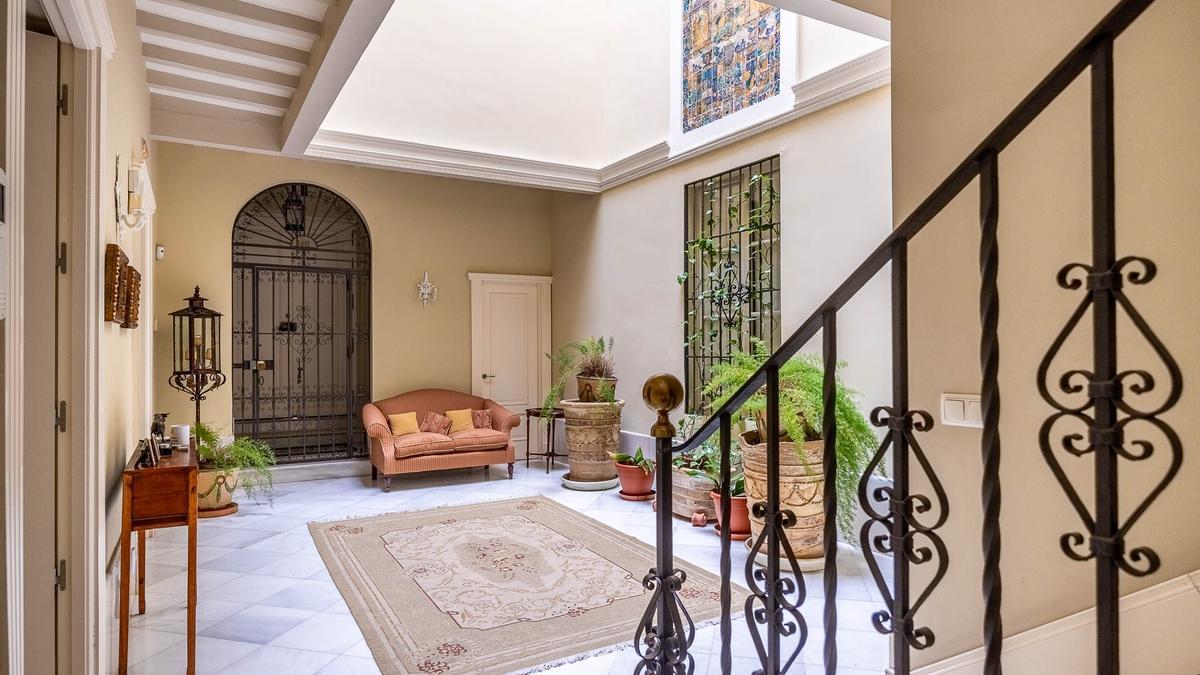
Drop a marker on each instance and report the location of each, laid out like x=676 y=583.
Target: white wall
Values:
x=959 y=66
x=616 y=255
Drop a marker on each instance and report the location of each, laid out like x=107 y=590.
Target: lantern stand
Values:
x=196 y=332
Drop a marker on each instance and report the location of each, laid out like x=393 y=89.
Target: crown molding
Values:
x=82 y=23
x=846 y=81
x=429 y=159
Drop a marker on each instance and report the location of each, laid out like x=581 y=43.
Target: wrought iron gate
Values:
x=301 y=323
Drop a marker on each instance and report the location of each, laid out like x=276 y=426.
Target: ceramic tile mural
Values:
x=730 y=58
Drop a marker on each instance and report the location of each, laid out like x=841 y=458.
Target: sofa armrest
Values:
x=503 y=419
x=376 y=424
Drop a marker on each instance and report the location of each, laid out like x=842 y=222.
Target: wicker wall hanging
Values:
x=133 y=297
x=115 y=262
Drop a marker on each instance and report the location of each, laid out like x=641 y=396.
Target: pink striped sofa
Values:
x=394 y=455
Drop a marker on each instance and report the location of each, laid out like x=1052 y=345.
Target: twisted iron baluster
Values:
x=989 y=356
x=829 y=433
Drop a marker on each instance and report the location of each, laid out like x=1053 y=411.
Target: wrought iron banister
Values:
x=908 y=527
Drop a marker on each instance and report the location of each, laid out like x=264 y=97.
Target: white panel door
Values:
x=510 y=335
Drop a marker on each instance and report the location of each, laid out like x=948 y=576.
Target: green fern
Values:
x=253 y=457
x=801 y=415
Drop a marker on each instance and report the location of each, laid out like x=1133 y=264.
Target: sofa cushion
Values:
x=460 y=420
x=422 y=443
x=435 y=423
x=403 y=423
x=470 y=440
x=481 y=419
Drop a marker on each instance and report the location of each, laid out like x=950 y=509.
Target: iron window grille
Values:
x=731 y=270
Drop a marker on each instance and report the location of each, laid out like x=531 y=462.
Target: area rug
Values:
x=498 y=587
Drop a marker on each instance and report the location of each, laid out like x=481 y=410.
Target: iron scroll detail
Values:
x=1076 y=392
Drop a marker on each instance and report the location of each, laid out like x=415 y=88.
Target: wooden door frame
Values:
x=543 y=284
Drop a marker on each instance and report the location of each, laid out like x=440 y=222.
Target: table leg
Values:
x=191 y=580
x=528 y=433
x=123 y=603
x=141 y=585
x=549 y=445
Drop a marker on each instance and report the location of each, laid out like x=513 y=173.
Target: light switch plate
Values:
x=962 y=410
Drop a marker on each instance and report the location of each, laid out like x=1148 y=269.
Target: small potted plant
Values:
x=590 y=363
x=739 y=511
x=636 y=474
x=224 y=467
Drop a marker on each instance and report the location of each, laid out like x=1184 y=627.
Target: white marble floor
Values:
x=268 y=605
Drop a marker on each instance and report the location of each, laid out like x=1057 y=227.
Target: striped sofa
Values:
x=394 y=455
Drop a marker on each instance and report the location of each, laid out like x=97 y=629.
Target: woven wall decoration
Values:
x=115 y=290
x=133 y=297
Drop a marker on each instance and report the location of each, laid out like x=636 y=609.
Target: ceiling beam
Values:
x=154 y=65
x=309 y=9
x=869 y=17
x=223 y=52
x=241 y=24
x=345 y=34
x=217 y=100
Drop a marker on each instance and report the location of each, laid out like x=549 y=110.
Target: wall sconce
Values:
x=426 y=290
x=134 y=196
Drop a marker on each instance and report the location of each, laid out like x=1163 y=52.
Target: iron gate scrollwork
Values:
x=301 y=329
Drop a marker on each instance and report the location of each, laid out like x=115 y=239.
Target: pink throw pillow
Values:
x=481 y=419
x=435 y=423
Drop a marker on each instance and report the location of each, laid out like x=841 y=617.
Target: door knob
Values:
x=488 y=377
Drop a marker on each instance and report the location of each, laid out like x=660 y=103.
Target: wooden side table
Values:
x=155 y=497
x=530 y=414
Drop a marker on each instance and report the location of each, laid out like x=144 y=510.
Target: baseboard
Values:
x=343 y=468
x=1157 y=636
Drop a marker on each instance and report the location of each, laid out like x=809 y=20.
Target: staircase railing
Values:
x=908 y=528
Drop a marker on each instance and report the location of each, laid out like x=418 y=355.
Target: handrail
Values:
x=1042 y=95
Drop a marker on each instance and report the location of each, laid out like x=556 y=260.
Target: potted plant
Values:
x=224 y=467
x=590 y=363
x=636 y=473
x=739 y=511
x=705 y=465
x=593 y=421
x=801 y=448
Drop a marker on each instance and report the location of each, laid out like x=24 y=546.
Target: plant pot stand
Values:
x=589 y=485
x=637 y=498
x=227 y=510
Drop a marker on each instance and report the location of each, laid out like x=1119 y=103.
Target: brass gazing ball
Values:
x=662 y=393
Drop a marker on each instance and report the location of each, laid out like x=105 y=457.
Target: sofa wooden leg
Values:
x=374 y=472
x=510 y=470
x=387 y=483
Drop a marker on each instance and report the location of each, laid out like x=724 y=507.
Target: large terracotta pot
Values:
x=590 y=387
x=739 y=516
x=215 y=488
x=801 y=489
x=635 y=482
x=689 y=496
x=593 y=435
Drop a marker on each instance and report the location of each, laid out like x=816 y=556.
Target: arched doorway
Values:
x=301 y=323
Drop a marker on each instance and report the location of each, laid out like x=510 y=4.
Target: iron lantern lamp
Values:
x=293 y=208
x=196 y=332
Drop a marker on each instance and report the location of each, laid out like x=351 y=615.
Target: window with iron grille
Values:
x=731 y=270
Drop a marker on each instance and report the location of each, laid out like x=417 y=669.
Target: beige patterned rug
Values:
x=496 y=587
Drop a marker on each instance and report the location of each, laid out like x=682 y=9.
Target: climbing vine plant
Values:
x=730 y=274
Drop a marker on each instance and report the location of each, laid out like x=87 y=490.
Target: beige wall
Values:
x=126 y=122
x=616 y=255
x=956 y=72
x=417 y=223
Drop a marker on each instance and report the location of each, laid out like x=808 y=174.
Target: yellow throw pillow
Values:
x=404 y=423
x=460 y=420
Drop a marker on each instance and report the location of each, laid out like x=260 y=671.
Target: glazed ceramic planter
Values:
x=739 y=516
x=801 y=490
x=214 y=491
x=636 y=484
x=593 y=435
x=590 y=388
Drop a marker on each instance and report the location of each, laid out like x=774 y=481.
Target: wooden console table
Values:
x=154 y=497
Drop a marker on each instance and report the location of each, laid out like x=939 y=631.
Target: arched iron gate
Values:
x=301 y=323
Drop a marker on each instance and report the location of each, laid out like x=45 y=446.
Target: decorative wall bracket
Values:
x=426 y=290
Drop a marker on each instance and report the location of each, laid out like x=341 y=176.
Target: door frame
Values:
x=543 y=285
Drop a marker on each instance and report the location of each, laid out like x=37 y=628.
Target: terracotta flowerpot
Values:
x=689 y=496
x=590 y=387
x=739 y=516
x=636 y=484
x=593 y=435
x=801 y=489
x=214 y=491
